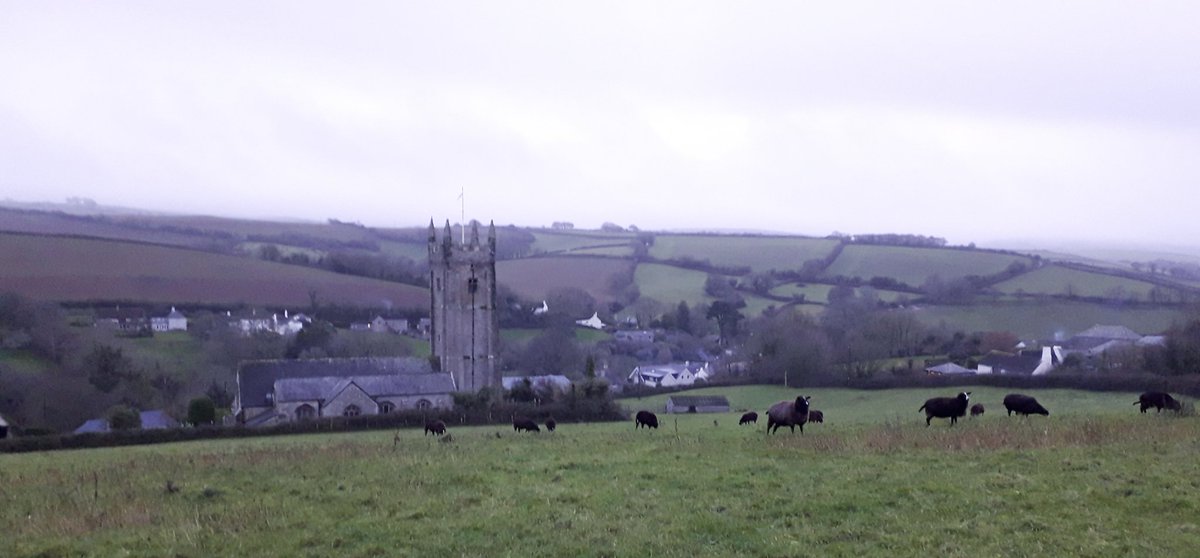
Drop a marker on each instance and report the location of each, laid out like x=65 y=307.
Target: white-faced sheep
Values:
x=946 y=407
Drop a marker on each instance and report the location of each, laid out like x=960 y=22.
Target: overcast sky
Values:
x=1057 y=120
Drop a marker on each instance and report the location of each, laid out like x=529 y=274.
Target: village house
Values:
x=276 y=391
x=386 y=325
x=668 y=375
x=947 y=369
x=1030 y=363
x=151 y=420
x=123 y=319
x=173 y=321
x=593 y=322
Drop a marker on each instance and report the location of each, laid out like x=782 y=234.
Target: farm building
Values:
x=174 y=321
x=5 y=428
x=1099 y=339
x=643 y=336
x=947 y=369
x=697 y=404
x=124 y=319
x=1027 y=362
x=275 y=391
x=593 y=322
x=151 y=420
x=667 y=375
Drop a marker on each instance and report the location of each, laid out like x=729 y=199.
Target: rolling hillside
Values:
x=759 y=253
x=534 y=278
x=80 y=269
x=914 y=265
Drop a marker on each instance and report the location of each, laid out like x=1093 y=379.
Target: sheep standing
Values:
x=1023 y=405
x=946 y=407
x=750 y=417
x=435 y=427
x=816 y=416
x=522 y=423
x=1158 y=400
x=647 y=419
x=551 y=424
x=788 y=413
x=976 y=410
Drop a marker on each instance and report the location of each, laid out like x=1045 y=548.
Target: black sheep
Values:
x=1158 y=400
x=976 y=410
x=946 y=407
x=522 y=423
x=748 y=418
x=788 y=413
x=1023 y=405
x=435 y=427
x=551 y=424
x=816 y=416
x=645 y=418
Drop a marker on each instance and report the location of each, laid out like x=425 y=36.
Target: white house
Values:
x=174 y=321
x=592 y=322
x=1027 y=362
x=667 y=375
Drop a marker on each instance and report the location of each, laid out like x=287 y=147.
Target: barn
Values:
x=697 y=404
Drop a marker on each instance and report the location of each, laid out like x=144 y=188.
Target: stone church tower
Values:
x=465 y=333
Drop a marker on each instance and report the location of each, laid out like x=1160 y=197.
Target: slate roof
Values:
x=324 y=388
x=1009 y=364
x=257 y=378
x=175 y=314
x=151 y=420
x=1110 y=332
x=949 y=368
x=699 y=401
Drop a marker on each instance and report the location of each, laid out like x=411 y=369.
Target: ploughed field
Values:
x=1095 y=478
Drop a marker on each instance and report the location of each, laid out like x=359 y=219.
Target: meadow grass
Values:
x=670 y=285
x=1073 y=484
x=914 y=265
x=1057 y=280
x=759 y=253
x=819 y=292
x=1043 y=319
x=546 y=241
x=534 y=278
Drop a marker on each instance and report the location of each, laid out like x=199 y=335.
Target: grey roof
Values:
x=175 y=314
x=949 y=368
x=151 y=420
x=557 y=380
x=1023 y=364
x=257 y=378
x=1110 y=332
x=324 y=388
x=699 y=400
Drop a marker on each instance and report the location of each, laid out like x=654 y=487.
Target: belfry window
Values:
x=472 y=284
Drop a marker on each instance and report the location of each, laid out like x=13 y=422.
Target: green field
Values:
x=1057 y=280
x=669 y=285
x=1093 y=479
x=819 y=292
x=623 y=251
x=582 y=334
x=914 y=265
x=759 y=253
x=1041 y=320
x=546 y=242
x=534 y=278
x=78 y=269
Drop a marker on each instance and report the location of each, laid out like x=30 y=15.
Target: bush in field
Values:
x=201 y=410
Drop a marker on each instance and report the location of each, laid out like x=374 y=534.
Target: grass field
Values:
x=669 y=285
x=914 y=265
x=1095 y=479
x=534 y=278
x=1057 y=280
x=760 y=253
x=66 y=269
x=1042 y=320
x=583 y=335
x=547 y=241
x=819 y=292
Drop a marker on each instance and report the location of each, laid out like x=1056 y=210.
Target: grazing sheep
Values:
x=976 y=410
x=749 y=417
x=551 y=424
x=816 y=416
x=788 y=413
x=946 y=407
x=1158 y=400
x=435 y=427
x=647 y=419
x=1023 y=405
x=522 y=423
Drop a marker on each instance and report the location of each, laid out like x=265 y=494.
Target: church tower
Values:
x=465 y=333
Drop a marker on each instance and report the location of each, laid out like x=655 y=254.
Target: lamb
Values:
x=788 y=413
x=647 y=419
x=816 y=416
x=946 y=407
x=749 y=417
x=551 y=424
x=976 y=410
x=1158 y=400
x=436 y=427
x=1023 y=405
x=522 y=423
